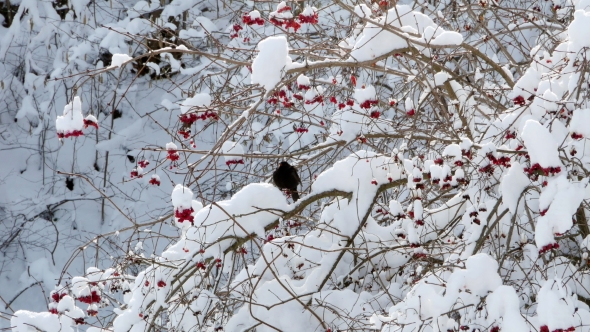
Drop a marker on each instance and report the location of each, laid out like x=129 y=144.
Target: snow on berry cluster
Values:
x=71 y=123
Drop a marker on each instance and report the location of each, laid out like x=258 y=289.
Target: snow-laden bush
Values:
x=462 y=208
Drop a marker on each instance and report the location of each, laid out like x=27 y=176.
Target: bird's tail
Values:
x=295 y=195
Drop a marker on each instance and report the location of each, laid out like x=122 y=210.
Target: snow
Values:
x=72 y=120
x=119 y=59
x=362 y=10
x=357 y=225
x=233 y=148
x=205 y=23
x=303 y=80
x=440 y=78
x=503 y=306
x=556 y=305
x=272 y=59
x=448 y=38
x=182 y=197
x=512 y=186
x=198 y=100
x=578 y=28
x=217 y=221
x=452 y=150
x=374 y=42
x=580 y=121
x=540 y=145
x=560 y=201
x=25 y=321
x=366 y=93
x=171 y=146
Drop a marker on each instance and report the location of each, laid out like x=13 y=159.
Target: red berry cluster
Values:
x=519 y=100
x=549 y=247
x=91 y=312
x=56 y=297
x=74 y=133
x=577 y=136
x=184 y=133
x=173 y=155
x=184 y=215
x=234 y=162
x=236 y=28
x=301 y=130
x=286 y=23
x=545 y=328
x=510 y=134
x=311 y=19
x=502 y=161
x=419 y=255
x=201 y=265
x=375 y=114
x=135 y=174
x=161 y=283
x=467 y=154
x=536 y=169
x=317 y=99
x=154 y=182
x=368 y=103
x=411 y=112
x=473 y=216
x=88 y=122
x=94 y=297
x=250 y=21
x=349 y=102
x=282 y=94
x=487 y=169
x=191 y=118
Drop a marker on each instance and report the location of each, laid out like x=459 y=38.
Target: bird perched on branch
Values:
x=286 y=177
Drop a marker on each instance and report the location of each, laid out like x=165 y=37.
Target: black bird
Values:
x=286 y=177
